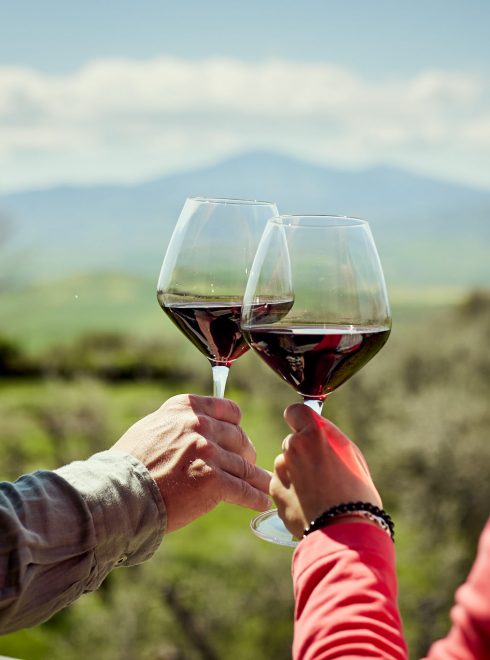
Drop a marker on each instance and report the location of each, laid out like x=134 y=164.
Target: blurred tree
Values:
x=10 y=356
x=114 y=356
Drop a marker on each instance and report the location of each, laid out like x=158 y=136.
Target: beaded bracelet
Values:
x=364 y=509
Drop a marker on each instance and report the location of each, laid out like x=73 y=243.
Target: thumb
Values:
x=298 y=417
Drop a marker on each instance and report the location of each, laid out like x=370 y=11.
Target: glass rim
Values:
x=231 y=200
x=318 y=220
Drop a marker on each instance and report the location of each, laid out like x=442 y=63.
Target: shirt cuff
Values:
x=333 y=540
x=127 y=509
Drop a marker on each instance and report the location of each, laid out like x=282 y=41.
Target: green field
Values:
x=62 y=310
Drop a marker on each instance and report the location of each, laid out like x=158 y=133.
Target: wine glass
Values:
x=338 y=320
x=204 y=274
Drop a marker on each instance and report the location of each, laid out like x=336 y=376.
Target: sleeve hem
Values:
x=127 y=509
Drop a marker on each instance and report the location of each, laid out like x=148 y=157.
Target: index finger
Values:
x=222 y=409
x=238 y=491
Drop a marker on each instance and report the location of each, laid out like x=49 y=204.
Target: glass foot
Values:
x=269 y=527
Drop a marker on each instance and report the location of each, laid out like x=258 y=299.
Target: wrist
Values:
x=363 y=511
x=351 y=518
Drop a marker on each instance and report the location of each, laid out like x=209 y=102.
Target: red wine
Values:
x=214 y=326
x=314 y=360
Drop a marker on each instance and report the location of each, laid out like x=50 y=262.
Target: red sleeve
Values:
x=469 y=637
x=345 y=590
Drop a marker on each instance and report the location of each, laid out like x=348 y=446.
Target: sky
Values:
x=125 y=91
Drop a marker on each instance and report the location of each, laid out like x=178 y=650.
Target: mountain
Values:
x=428 y=231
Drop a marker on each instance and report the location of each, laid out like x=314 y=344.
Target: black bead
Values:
x=340 y=509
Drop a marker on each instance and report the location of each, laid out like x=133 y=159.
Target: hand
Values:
x=198 y=456
x=319 y=468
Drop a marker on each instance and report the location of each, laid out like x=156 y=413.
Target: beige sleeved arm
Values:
x=62 y=532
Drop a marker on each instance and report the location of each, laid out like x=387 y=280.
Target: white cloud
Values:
x=124 y=119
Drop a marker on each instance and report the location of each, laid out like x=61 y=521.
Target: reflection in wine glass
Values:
x=339 y=320
x=204 y=273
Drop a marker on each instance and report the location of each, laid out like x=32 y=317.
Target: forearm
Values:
x=63 y=531
x=469 y=636
x=345 y=589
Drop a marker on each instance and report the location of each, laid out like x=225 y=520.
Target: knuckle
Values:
x=179 y=401
x=248 y=470
x=245 y=490
x=234 y=409
x=244 y=470
x=295 y=442
x=201 y=447
x=244 y=441
x=199 y=470
x=202 y=424
x=274 y=486
x=278 y=462
x=252 y=452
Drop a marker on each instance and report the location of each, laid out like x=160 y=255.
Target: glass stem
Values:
x=314 y=404
x=220 y=376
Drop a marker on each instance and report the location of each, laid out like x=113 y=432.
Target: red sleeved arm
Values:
x=346 y=590
x=469 y=637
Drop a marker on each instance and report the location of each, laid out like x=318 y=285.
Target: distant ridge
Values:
x=428 y=231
